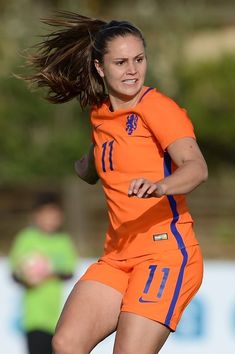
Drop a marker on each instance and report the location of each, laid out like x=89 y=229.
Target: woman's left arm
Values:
x=192 y=168
x=191 y=171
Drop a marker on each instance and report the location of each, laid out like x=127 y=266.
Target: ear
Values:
x=99 y=68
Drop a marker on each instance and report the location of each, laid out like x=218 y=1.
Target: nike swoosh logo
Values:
x=97 y=126
x=147 y=301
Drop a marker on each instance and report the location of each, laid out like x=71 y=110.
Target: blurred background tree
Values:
x=191 y=54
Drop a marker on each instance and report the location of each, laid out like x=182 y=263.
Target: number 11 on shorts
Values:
x=152 y=270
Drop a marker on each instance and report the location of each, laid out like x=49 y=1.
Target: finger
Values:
x=143 y=190
x=151 y=189
x=156 y=190
x=135 y=186
x=131 y=187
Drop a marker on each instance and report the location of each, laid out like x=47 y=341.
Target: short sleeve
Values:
x=166 y=120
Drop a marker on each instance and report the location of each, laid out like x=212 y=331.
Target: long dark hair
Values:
x=64 y=61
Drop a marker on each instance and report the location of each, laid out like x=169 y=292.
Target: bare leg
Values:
x=139 y=335
x=89 y=315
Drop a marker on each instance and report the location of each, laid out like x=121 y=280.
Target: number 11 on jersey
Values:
x=107 y=155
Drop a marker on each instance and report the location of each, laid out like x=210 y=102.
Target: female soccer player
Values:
x=145 y=153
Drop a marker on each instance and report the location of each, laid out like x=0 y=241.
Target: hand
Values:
x=81 y=166
x=143 y=188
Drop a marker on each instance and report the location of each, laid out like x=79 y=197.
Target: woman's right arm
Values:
x=85 y=167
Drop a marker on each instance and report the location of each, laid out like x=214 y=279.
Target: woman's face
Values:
x=124 y=67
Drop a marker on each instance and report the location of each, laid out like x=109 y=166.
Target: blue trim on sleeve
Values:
x=145 y=93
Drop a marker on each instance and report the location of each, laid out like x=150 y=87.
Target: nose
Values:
x=131 y=69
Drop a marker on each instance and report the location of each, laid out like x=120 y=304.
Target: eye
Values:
x=139 y=60
x=120 y=62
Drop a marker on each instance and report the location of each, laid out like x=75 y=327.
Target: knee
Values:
x=58 y=344
x=64 y=344
x=121 y=348
x=61 y=344
x=130 y=348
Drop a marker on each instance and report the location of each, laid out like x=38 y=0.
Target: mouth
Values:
x=130 y=81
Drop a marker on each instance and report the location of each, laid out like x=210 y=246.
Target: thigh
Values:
x=139 y=335
x=39 y=342
x=90 y=314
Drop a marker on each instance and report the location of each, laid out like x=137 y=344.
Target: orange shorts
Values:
x=157 y=286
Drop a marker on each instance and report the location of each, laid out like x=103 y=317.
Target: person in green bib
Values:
x=42 y=257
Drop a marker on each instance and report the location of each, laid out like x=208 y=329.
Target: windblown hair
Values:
x=64 y=61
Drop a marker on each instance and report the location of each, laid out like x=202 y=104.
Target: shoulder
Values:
x=26 y=233
x=24 y=239
x=165 y=119
x=160 y=101
x=99 y=110
x=158 y=107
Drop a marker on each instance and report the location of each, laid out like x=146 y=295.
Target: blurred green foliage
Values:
x=40 y=140
x=207 y=90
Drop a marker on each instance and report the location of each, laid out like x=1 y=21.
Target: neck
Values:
x=124 y=102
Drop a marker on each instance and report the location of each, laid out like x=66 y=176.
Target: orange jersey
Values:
x=129 y=144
